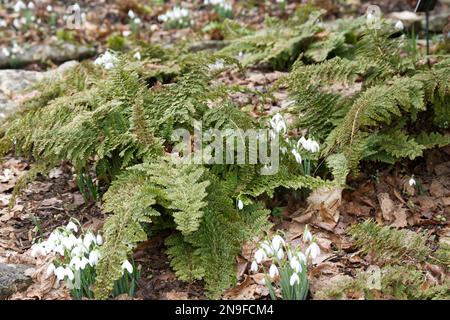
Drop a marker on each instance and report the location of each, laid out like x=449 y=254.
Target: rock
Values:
x=39 y=53
x=13 y=82
x=13 y=279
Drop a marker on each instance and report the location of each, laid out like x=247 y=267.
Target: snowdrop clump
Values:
x=308 y=144
x=177 y=17
x=76 y=254
x=106 y=60
x=412 y=182
x=287 y=274
x=223 y=8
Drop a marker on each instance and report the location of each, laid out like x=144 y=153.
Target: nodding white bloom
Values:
x=37 y=250
x=273 y=271
x=19 y=6
x=307 y=236
x=267 y=248
x=313 y=250
x=177 y=13
x=131 y=14
x=50 y=269
x=137 y=21
x=277 y=241
x=240 y=204
x=126 y=265
x=296 y=265
x=79 y=250
x=308 y=144
x=297 y=156
x=72 y=226
x=99 y=240
x=31 y=5
x=69 y=274
x=278 y=124
x=280 y=254
x=137 y=56
x=399 y=25
x=301 y=257
x=107 y=60
x=89 y=239
x=254 y=267
x=76 y=7
x=6 y=52
x=294 y=279
x=68 y=242
x=60 y=273
x=370 y=18
x=260 y=255
x=94 y=256
x=3 y=24
x=79 y=263
x=49 y=8
x=412 y=181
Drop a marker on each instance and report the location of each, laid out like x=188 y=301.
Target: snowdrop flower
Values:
x=131 y=14
x=280 y=254
x=49 y=8
x=107 y=60
x=69 y=273
x=19 y=6
x=127 y=265
x=3 y=24
x=79 y=250
x=31 y=5
x=76 y=7
x=94 y=256
x=301 y=257
x=412 y=181
x=399 y=25
x=294 y=279
x=50 y=269
x=260 y=255
x=60 y=273
x=277 y=241
x=295 y=264
x=37 y=250
x=99 y=240
x=59 y=249
x=240 y=204
x=370 y=18
x=254 y=267
x=273 y=271
x=308 y=144
x=278 y=123
x=137 y=56
x=137 y=21
x=297 y=156
x=68 y=242
x=72 y=226
x=313 y=250
x=307 y=236
x=267 y=248
x=17 y=24
x=88 y=239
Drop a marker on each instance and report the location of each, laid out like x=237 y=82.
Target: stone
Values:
x=13 y=279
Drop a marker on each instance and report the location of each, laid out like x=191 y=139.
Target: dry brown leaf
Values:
x=327 y=202
x=175 y=295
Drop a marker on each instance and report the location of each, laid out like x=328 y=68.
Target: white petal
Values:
x=273 y=271
x=50 y=269
x=259 y=255
x=294 y=279
x=127 y=265
x=254 y=267
x=240 y=204
x=72 y=226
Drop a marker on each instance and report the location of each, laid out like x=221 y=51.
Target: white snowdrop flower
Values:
x=313 y=250
x=314 y=146
x=131 y=14
x=267 y=248
x=23 y=20
x=17 y=24
x=94 y=256
x=69 y=274
x=273 y=271
x=137 y=56
x=297 y=156
x=49 y=8
x=76 y=7
x=19 y=6
x=31 y=6
x=75 y=262
x=412 y=182
x=280 y=1
x=84 y=262
x=50 y=269
x=307 y=236
x=99 y=240
x=88 y=239
x=370 y=18
x=240 y=204
x=399 y=25
x=260 y=255
x=3 y=24
x=59 y=249
x=137 y=21
x=280 y=254
x=295 y=264
x=301 y=257
x=78 y=250
x=277 y=241
x=294 y=279
x=127 y=265
x=107 y=60
x=278 y=123
x=72 y=226
x=126 y=33
x=68 y=242
x=60 y=273
x=254 y=267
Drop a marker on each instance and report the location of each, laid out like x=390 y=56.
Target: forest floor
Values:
x=382 y=194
